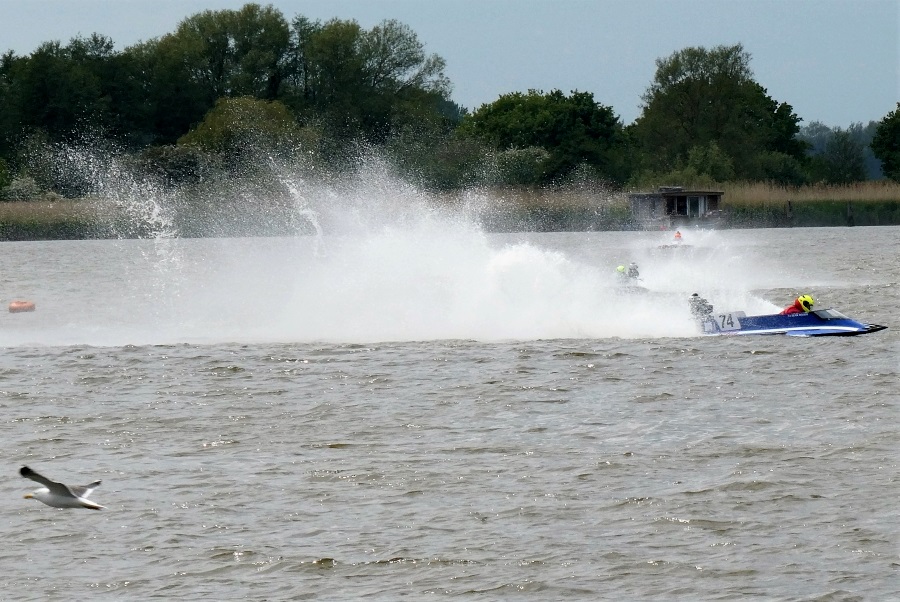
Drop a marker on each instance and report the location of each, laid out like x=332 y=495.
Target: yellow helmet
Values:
x=806 y=302
x=621 y=268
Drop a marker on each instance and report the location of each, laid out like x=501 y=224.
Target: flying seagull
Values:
x=59 y=495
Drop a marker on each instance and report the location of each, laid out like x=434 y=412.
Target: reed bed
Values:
x=761 y=194
x=556 y=199
x=737 y=194
x=48 y=220
x=518 y=208
x=64 y=210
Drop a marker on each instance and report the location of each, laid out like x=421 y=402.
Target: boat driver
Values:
x=628 y=276
x=802 y=304
x=700 y=307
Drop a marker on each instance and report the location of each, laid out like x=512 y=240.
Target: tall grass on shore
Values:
x=746 y=204
x=737 y=194
x=561 y=208
x=873 y=203
x=47 y=220
x=760 y=194
x=561 y=198
x=45 y=211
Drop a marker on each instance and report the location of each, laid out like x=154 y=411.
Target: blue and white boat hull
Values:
x=817 y=323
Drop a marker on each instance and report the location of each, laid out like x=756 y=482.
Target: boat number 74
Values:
x=728 y=322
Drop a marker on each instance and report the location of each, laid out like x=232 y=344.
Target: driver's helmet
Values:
x=806 y=302
x=620 y=269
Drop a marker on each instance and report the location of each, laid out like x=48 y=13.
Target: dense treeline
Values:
x=233 y=83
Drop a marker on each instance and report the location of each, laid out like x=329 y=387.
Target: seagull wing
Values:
x=83 y=491
x=54 y=487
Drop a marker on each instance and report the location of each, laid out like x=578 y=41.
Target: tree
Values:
x=56 y=92
x=83 y=88
x=864 y=135
x=781 y=168
x=818 y=136
x=176 y=165
x=236 y=127
x=432 y=158
x=711 y=161
x=174 y=80
x=68 y=90
x=574 y=130
x=362 y=84
x=521 y=166
x=173 y=99
x=10 y=120
x=395 y=60
x=336 y=84
x=886 y=144
x=5 y=175
x=359 y=84
x=700 y=96
x=234 y=52
x=843 y=159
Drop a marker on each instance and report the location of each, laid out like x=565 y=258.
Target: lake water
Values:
x=428 y=411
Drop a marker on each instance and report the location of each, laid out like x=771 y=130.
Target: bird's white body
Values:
x=59 y=495
x=43 y=495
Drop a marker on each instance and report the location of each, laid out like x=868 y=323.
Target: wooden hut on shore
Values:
x=675 y=207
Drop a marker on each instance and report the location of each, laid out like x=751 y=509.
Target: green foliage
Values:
x=681 y=176
x=842 y=161
x=520 y=166
x=358 y=84
x=706 y=167
x=65 y=91
x=5 y=175
x=211 y=55
x=176 y=164
x=454 y=163
x=886 y=144
x=55 y=89
x=701 y=96
x=711 y=161
x=691 y=101
x=233 y=52
x=23 y=188
x=236 y=127
x=433 y=159
x=863 y=134
x=779 y=168
x=572 y=130
x=228 y=83
x=173 y=99
x=817 y=136
x=362 y=84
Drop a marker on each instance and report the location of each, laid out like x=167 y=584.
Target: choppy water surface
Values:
x=439 y=412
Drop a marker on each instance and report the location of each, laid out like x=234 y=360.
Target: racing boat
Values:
x=816 y=323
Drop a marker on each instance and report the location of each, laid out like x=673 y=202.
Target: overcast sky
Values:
x=833 y=61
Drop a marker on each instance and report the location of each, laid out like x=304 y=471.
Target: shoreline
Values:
x=514 y=211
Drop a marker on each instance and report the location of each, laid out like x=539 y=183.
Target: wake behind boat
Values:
x=815 y=323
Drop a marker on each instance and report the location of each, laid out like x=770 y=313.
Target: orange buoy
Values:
x=19 y=306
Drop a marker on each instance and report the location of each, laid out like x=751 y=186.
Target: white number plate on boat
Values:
x=728 y=321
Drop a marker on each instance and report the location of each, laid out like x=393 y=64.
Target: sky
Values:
x=834 y=61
